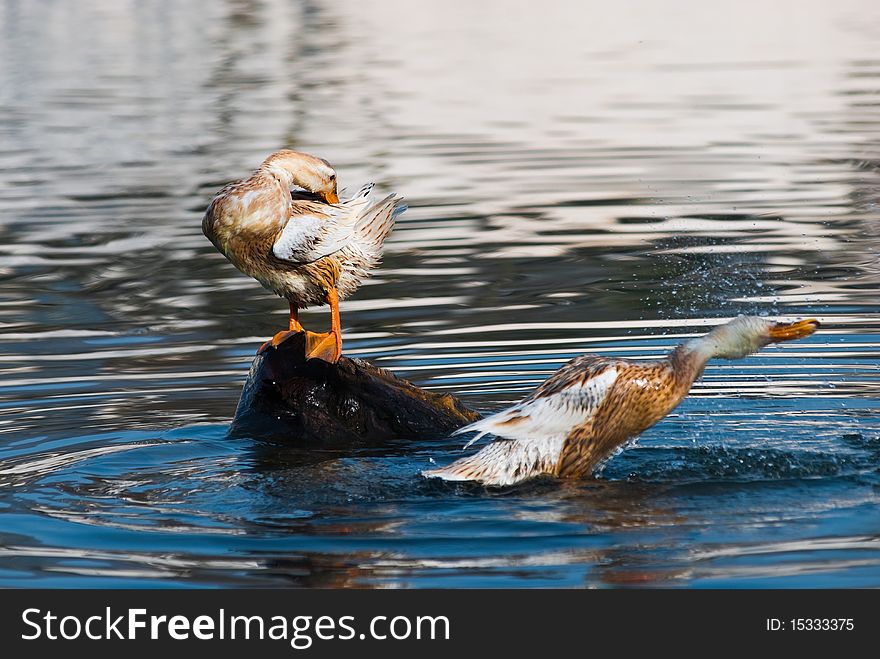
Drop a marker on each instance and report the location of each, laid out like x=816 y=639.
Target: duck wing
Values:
x=533 y=433
x=314 y=231
x=564 y=401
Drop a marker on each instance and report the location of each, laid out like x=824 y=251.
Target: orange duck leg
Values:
x=294 y=327
x=327 y=346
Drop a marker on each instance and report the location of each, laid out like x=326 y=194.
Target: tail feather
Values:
x=375 y=223
x=503 y=424
x=368 y=226
x=526 y=454
x=504 y=462
x=364 y=192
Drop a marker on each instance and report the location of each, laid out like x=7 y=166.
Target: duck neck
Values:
x=689 y=359
x=278 y=173
x=299 y=169
x=734 y=340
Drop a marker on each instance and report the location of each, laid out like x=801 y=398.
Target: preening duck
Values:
x=592 y=405
x=307 y=246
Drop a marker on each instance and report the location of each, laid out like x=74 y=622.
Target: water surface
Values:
x=581 y=177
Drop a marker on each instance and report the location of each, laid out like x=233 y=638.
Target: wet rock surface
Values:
x=290 y=399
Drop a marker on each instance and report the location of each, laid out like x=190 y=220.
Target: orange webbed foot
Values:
x=326 y=346
x=277 y=340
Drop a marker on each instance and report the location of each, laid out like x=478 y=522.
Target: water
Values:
x=604 y=177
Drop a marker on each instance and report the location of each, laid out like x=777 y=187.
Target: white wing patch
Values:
x=297 y=238
x=308 y=238
x=548 y=417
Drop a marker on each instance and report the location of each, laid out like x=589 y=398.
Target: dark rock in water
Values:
x=311 y=402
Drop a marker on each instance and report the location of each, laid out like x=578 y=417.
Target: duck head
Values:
x=745 y=335
x=305 y=171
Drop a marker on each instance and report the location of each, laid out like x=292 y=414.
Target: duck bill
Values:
x=329 y=197
x=791 y=331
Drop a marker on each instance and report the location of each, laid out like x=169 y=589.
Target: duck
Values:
x=575 y=420
x=286 y=227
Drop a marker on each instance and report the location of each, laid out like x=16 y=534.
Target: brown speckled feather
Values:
x=642 y=395
x=577 y=371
